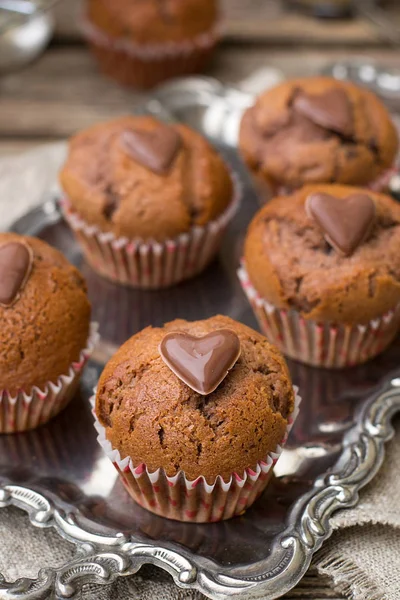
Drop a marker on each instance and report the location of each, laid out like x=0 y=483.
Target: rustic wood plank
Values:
x=264 y=24
x=260 y=20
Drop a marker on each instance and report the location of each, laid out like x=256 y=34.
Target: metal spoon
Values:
x=26 y=27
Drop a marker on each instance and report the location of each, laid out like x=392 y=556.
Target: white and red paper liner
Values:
x=23 y=411
x=321 y=344
x=195 y=501
x=150 y=264
x=145 y=65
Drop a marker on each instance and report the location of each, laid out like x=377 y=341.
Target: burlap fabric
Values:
x=362 y=558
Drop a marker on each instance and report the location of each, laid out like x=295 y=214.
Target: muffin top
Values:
x=318 y=129
x=154 y=21
x=44 y=313
x=293 y=263
x=151 y=415
x=139 y=178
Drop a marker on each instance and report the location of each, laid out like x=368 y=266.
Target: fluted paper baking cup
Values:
x=151 y=265
x=321 y=344
x=145 y=65
x=24 y=411
x=195 y=501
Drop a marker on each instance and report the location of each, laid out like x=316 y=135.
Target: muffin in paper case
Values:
x=194 y=501
x=25 y=411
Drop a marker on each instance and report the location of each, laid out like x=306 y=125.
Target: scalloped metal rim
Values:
x=101 y=559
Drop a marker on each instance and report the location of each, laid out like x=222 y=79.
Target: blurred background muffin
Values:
x=142 y=42
x=318 y=130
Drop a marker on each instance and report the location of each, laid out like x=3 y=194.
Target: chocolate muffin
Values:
x=323 y=265
x=200 y=402
x=143 y=42
x=161 y=192
x=45 y=315
x=318 y=130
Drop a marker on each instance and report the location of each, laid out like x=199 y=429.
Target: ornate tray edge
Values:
x=101 y=559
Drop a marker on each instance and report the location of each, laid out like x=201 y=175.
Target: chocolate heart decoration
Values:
x=156 y=150
x=16 y=261
x=331 y=110
x=201 y=362
x=345 y=222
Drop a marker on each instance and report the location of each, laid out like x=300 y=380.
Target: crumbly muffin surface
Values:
x=291 y=264
x=46 y=328
x=153 y=417
x=109 y=188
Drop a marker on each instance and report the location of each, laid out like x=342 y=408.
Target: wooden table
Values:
x=63 y=91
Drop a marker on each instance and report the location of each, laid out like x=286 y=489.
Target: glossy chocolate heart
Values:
x=156 y=150
x=331 y=110
x=16 y=261
x=345 y=222
x=201 y=362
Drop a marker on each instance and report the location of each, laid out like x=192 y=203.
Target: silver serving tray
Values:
x=59 y=476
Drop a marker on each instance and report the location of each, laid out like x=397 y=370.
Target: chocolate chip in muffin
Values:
x=156 y=150
x=346 y=223
x=331 y=110
x=201 y=362
x=16 y=260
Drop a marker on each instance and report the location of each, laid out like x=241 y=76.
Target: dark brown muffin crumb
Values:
x=153 y=417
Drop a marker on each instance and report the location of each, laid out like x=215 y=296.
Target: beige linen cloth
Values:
x=361 y=559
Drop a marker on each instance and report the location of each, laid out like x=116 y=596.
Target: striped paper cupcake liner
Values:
x=321 y=344
x=23 y=411
x=151 y=265
x=146 y=65
x=195 y=501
